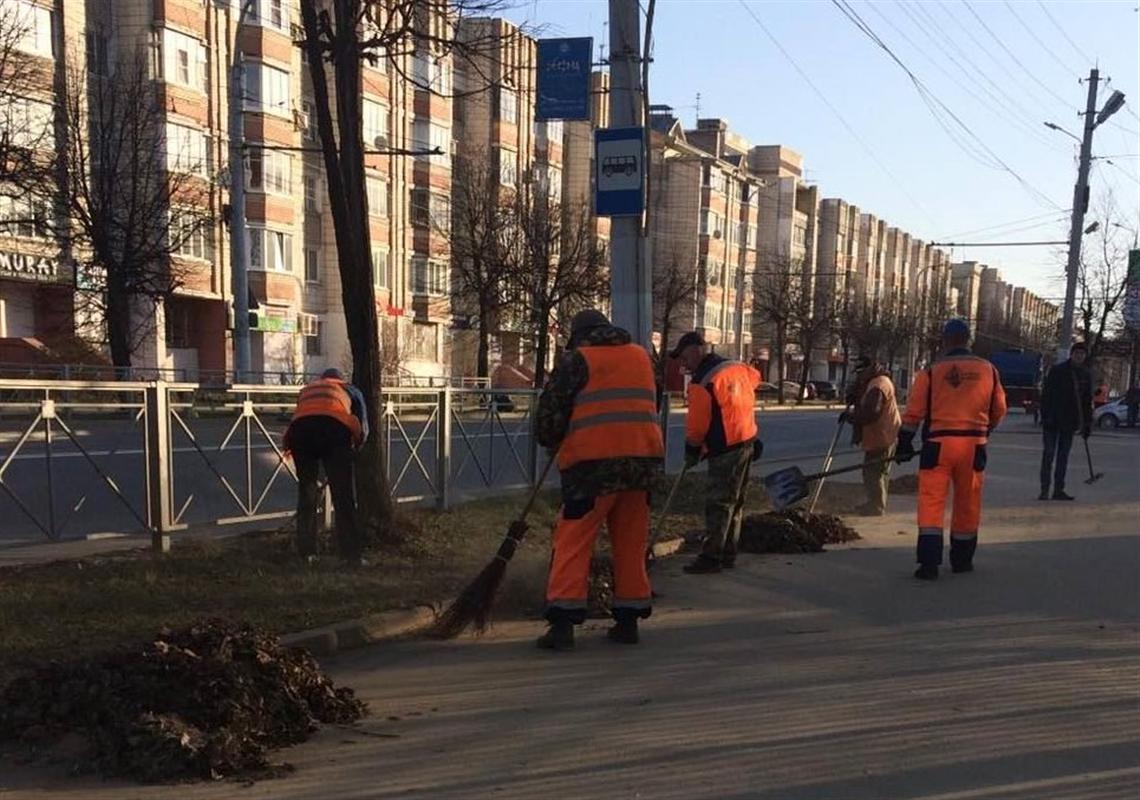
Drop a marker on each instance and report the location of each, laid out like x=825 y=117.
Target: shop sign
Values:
x=28 y=267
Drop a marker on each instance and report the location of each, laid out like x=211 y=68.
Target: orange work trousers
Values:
x=957 y=461
x=626 y=515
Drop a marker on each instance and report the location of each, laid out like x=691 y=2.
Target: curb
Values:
x=400 y=622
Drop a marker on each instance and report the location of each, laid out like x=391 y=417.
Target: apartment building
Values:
x=966 y=277
x=867 y=280
x=704 y=215
x=578 y=173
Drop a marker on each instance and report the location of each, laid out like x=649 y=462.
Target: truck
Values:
x=1020 y=373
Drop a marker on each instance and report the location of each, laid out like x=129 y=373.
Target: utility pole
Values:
x=630 y=284
x=239 y=252
x=1076 y=227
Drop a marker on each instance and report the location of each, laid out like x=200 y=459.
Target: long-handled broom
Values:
x=474 y=604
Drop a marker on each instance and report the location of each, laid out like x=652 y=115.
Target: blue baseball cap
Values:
x=956 y=327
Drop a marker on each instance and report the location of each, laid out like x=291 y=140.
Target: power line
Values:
x=870 y=152
x=1050 y=214
x=925 y=93
x=1080 y=54
x=1037 y=39
x=1015 y=59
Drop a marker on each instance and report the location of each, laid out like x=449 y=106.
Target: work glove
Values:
x=757 y=449
x=692 y=456
x=904 y=450
x=845 y=417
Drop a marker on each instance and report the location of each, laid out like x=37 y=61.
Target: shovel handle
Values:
x=850 y=468
x=537 y=488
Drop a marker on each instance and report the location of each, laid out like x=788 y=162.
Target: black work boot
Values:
x=1044 y=493
x=926 y=572
x=962 y=566
x=559 y=636
x=624 y=631
x=1059 y=494
x=702 y=565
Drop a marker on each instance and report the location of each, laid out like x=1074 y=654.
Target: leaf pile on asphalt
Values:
x=203 y=702
x=600 y=596
x=792 y=531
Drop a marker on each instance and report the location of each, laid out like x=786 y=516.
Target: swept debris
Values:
x=792 y=531
x=203 y=702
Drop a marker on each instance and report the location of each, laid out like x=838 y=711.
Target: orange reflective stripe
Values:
x=613 y=418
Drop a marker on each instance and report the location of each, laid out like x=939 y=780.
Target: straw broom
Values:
x=474 y=604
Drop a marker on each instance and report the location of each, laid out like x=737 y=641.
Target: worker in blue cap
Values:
x=958 y=400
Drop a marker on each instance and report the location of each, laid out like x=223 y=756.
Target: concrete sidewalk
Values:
x=806 y=677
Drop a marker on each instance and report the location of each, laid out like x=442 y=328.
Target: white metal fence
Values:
x=83 y=458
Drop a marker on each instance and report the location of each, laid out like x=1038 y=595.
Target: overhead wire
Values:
x=1037 y=39
x=835 y=111
x=1080 y=53
x=929 y=98
x=1050 y=214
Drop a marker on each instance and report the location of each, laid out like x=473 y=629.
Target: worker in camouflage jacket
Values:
x=599 y=410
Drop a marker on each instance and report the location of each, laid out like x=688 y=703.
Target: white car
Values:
x=1111 y=414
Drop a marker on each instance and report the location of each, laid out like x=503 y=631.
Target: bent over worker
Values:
x=599 y=409
x=329 y=423
x=958 y=400
x=720 y=426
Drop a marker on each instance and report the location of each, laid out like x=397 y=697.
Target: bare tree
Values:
x=479 y=233
x=557 y=265
x=1101 y=276
x=810 y=322
x=674 y=290
x=26 y=124
x=776 y=286
x=136 y=198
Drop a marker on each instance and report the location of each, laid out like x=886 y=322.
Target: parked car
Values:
x=1112 y=414
x=768 y=391
x=825 y=390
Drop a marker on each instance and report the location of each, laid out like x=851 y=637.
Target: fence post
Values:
x=158 y=454
x=443 y=449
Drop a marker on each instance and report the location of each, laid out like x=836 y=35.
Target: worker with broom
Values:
x=599 y=410
x=720 y=427
x=958 y=400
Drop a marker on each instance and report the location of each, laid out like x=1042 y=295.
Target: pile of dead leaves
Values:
x=792 y=531
x=204 y=702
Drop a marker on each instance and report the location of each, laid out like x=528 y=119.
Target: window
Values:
x=752 y=237
x=711 y=223
x=375 y=118
x=422 y=341
x=313 y=344
x=184 y=60
x=26 y=122
x=266 y=89
x=193 y=238
x=34 y=24
x=97 y=52
x=310 y=133
x=270 y=14
x=553 y=131
x=429 y=276
x=508 y=105
x=377 y=191
x=186 y=149
x=431 y=73
x=312 y=265
x=431 y=210
x=312 y=193
x=380 y=267
x=270 y=250
x=508 y=168
x=269 y=171
x=22 y=215
x=800 y=236
x=430 y=137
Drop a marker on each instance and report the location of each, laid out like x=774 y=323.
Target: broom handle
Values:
x=1088 y=454
x=537 y=487
x=669 y=497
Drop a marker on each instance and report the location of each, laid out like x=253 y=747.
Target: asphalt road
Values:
x=486 y=456
x=808 y=677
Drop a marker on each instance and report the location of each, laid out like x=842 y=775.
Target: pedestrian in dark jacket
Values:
x=1066 y=408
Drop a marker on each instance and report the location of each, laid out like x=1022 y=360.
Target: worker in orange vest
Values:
x=329 y=424
x=958 y=400
x=721 y=427
x=599 y=409
x=1100 y=397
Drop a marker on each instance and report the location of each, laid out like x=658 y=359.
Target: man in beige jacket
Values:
x=876 y=420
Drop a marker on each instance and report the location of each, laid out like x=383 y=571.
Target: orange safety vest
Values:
x=959 y=395
x=731 y=386
x=1101 y=396
x=615 y=413
x=326 y=397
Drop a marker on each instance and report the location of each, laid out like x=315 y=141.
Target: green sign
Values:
x=273 y=324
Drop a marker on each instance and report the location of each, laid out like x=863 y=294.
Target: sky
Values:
x=993 y=71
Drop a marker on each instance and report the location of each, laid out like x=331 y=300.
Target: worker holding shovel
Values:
x=599 y=410
x=720 y=426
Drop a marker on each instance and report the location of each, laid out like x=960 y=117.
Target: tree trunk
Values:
x=347 y=202
x=541 y=347
x=780 y=345
x=483 y=354
x=118 y=312
x=804 y=373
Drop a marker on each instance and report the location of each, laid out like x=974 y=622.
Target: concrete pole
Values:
x=239 y=251
x=630 y=289
x=1076 y=227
